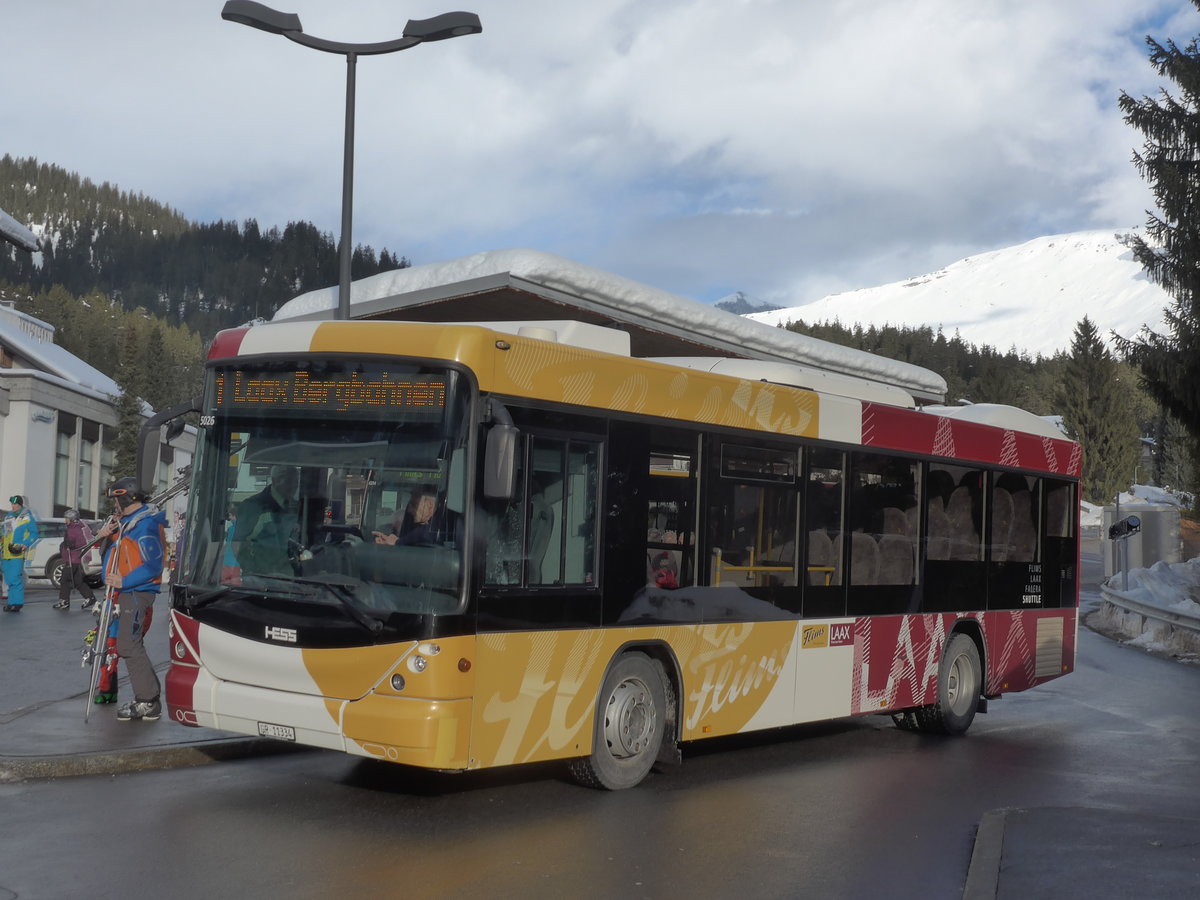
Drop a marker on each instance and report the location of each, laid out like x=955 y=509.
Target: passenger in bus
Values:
x=420 y=523
x=267 y=526
x=665 y=575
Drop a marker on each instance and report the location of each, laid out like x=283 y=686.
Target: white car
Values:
x=44 y=560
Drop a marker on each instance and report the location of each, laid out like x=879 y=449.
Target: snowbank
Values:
x=1170 y=587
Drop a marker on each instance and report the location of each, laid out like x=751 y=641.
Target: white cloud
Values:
x=786 y=148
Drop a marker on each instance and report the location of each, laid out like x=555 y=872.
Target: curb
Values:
x=116 y=762
x=983 y=875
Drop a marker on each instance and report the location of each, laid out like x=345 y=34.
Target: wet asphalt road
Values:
x=853 y=808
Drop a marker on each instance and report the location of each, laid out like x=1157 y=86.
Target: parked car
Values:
x=44 y=560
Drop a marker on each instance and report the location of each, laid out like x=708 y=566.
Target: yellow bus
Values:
x=455 y=547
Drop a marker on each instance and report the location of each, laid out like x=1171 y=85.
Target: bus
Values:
x=616 y=556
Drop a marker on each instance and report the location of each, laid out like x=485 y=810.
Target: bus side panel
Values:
x=896 y=660
x=1028 y=647
x=536 y=691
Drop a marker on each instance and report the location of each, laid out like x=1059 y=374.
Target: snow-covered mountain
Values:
x=1030 y=296
x=742 y=304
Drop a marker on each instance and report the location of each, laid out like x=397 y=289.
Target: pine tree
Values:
x=1169 y=364
x=131 y=378
x=1098 y=411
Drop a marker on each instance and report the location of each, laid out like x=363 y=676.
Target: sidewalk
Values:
x=42 y=730
x=1025 y=854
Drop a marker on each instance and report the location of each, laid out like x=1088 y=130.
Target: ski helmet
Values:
x=125 y=491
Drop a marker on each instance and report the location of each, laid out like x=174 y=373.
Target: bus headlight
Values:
x=417 y=663
x=397 y=682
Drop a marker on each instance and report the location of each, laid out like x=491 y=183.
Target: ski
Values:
x=97 y=648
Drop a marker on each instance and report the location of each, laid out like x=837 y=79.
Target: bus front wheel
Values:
x=630 y=722
x=960 y=680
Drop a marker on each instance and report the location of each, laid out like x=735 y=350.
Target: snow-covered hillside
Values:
x=1029 y=296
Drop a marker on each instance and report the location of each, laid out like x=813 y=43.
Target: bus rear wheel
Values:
x=630 y=722
x=960 y=680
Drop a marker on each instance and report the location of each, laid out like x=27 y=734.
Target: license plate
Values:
x=279 y=732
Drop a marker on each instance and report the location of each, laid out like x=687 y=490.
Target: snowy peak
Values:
x=741 y=304
x=1029 y=296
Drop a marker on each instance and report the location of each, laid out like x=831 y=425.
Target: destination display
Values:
x=338 y=392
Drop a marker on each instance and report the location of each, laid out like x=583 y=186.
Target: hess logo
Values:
x=275 y=633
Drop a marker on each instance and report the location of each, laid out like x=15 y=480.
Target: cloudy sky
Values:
x=786 y=148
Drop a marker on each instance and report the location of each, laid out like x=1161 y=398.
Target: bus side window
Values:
x=823 y=517
x=546 y=534
x=752 y=517
x=670 y=534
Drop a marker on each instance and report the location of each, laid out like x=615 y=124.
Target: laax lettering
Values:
x=275 y=633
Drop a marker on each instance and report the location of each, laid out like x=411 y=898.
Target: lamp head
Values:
x=256 y=15
x=447 y=25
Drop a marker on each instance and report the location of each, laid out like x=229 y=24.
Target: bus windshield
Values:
x=334 y=483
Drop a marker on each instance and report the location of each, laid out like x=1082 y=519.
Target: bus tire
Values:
x=960 y=680
x=907 y=720
x=630 y=722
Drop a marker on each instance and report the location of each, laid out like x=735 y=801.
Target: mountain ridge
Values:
x=1029 y=296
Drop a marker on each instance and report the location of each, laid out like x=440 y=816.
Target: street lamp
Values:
x=417 y=31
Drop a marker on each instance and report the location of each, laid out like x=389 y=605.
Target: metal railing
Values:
x=1185 y=625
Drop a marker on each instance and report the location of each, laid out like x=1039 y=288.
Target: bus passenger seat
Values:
x=864 y=559
x=1023 y=535
x=895 y=521
x=939 y=530
x=964 y=536
x=1002 y=514
x=896 y=564
x=822 y=560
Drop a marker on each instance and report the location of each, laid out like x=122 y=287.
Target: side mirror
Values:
x=149 y=437
x=500 y=462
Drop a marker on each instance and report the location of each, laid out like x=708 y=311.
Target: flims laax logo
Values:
x=275 y=633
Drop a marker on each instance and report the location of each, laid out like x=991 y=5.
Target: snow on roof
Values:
x=626 y=299
x=1001 y=416
x=23 y=335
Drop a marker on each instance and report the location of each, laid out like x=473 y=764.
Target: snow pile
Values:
x=1168 y=586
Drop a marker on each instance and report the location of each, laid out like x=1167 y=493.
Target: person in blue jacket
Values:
x=20 y=531
x=133 y=570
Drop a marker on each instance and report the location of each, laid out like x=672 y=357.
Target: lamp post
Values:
x=417 y=31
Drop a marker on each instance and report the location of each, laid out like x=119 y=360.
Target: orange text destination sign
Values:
x=330 y=392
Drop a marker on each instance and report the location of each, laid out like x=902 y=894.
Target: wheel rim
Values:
x=960 y=684
x=629 y=719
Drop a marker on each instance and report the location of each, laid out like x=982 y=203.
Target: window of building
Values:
x=62 y=471
x=85 y=493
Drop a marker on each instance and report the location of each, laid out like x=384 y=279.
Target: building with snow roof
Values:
x=58 y=422
x=532 y=286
